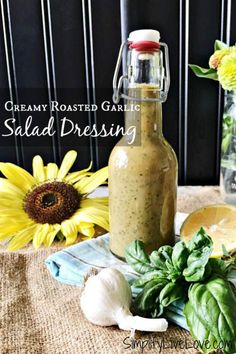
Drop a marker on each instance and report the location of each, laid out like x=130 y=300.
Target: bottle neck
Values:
x=145 y=81
x=148 y=120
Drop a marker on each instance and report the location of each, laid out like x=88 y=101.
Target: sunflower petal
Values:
x=76 y=176
x=10 y=190
x=93 y=215
x=54 y=229
x=9 y=229
x=69 y=230
x=100 y=200
x=18 y=176
x=8 y=203
x=86 y=229
x=4 y=237
x=38 y=169
x=5 y=195
x=94 y=203
x=11 y=213
x=40 y=234
x=66 y=164
x=22 y=238
x=88 y=184
x=52 y=171
x=11 y=223
x=12 y=231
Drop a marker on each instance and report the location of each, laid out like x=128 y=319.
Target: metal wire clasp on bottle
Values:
x=119 y=83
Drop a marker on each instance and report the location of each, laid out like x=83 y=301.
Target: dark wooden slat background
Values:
x=66 y=50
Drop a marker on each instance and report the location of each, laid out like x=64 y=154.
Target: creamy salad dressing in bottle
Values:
x=143 y=170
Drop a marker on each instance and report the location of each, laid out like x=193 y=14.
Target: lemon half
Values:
x=219 y=222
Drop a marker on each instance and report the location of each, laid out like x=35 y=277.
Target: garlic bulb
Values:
x=106 y=299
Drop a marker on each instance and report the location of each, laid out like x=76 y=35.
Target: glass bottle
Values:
x=143 y=170
x=228 y=150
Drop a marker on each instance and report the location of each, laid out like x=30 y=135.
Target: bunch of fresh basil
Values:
x=185 y=272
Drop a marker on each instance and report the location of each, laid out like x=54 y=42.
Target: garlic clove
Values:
x=106 y=299
x=127 y=321
x=103 y=295
x=96 y=302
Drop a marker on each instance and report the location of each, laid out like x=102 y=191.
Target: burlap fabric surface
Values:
x=39 y=315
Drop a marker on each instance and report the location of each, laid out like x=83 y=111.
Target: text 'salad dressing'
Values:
x=143 y=169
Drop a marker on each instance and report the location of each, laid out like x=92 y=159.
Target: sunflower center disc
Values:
x=49 y=199
x=52 y=202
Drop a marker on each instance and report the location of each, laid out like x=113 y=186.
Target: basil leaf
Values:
x=160 y=257
x=147 y=277
x=157 y=261
x=196 y=265
x=136 y=256
x=221 y=267
x=166 y=252
x=226 y=142
x=199 y=330
x=204 y=73
x=200 y=240
x=157 y=311
x=213 y=304
x=148 y=298
x=170 y=293
x=172 y=273
x=233 y=287
x=180 y=255
x=200 y=248
x=225 y=252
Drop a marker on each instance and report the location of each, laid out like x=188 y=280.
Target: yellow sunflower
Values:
x=51 y=201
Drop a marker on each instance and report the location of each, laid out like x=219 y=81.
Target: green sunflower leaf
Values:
x=219 y=45
x=203 y=72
